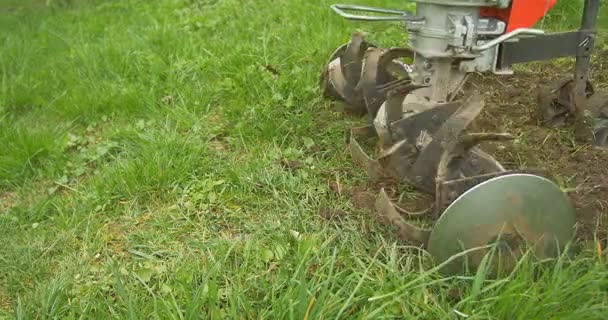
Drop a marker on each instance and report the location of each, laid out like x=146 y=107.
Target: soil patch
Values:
x=7 y=201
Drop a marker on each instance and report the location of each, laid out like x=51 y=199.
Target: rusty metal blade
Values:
x=332 y=80
x=480 y=162
x=351 y=64
x=394 y=53
x=352 y=58
x=456 y=152
x=395 y=99
x=425 y=169
x=375 y=75
x=425 y=122
x=370 y=81
x=391 y=111
x=398 y=159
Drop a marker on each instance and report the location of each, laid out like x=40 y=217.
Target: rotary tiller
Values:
x=418 y=120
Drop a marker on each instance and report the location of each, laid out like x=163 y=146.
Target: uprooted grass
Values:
x=144 y=149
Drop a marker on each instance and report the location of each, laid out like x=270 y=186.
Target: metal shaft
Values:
x=583 y=58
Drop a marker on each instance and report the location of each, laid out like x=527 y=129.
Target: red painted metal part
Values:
x=521 y=14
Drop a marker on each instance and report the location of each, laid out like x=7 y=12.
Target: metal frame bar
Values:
x=586 y=43
x=549 y=46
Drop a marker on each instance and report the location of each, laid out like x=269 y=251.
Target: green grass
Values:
x=140 y=175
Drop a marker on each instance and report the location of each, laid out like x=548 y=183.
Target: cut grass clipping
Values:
x=168 y=159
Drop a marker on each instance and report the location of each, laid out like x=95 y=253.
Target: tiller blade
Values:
x=478 y=203
x=557 y=108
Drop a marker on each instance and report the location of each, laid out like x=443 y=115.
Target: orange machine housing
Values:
x=521 y=13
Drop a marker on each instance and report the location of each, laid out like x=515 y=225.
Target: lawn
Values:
x=174 y=159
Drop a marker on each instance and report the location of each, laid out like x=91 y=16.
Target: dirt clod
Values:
x=290 y=164
x=331 y=214
x=7 y=201
x=363 y=199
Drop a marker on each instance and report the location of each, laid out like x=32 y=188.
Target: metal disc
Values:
x=511 y=214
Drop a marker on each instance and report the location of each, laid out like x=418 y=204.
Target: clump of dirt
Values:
x=362 y=198
x=331 y=214
x=7 y=200
x=5 y=303
x=290 y=165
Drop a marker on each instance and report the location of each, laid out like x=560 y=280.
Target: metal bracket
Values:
x=508 y=36
x=388 y=14
x=548 y=46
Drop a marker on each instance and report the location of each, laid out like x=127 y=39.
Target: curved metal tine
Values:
x=395 y=99
x=352 y=59
x=351 y=63
x=479 y=162
x=456 y=152
x=392 y=110
x=386 y=81
x=369 y=81
x=424 y=170
x=411 y=214
x=375 y=76
x=398 y=159
x=405 y=231
x=394 y=103
x=387 y=58
x=332 y=80
x=600 y=138
x=600 y=133
x=339 y=52
x=372 y=167
x=362 y=132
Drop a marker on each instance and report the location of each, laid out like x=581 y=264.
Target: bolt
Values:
x=428 y=65
x=427 y=80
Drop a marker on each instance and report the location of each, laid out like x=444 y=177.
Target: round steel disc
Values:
x=511 y=214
